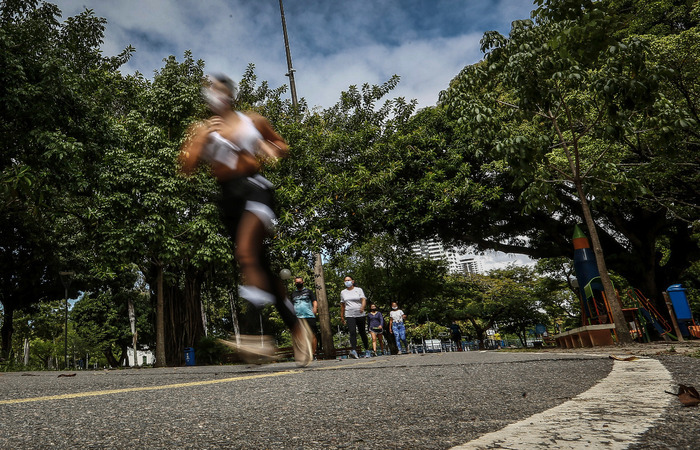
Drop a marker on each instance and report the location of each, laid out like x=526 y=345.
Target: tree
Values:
x=149 y=216
x=557 y=100
x=559 y=299
x=389 y=272
x=52 y=127
x=522 y=303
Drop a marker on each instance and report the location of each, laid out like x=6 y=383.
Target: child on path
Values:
x=397 y=327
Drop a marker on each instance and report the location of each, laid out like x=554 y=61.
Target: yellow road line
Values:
x=146 y=388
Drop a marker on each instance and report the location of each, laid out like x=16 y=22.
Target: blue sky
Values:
x=334 y=43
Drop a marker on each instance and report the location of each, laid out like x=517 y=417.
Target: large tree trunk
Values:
x=7 y=330
x=621 y=327
x=480 y=332
x=132 y=323
x=184 y=326
x=111 y=360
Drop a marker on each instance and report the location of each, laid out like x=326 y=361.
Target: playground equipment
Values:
x=649 y=316
x=643 y=317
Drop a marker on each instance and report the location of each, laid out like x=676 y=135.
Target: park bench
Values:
x=586 y=336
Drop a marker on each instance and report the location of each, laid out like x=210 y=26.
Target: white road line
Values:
x=613 y=414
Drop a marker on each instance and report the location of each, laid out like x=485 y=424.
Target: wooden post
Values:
x=672 y=313
x=132 y=322
x=324 y=317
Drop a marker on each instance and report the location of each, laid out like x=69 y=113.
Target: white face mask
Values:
x=348 y=284
x=217 y=100
x=394 y=308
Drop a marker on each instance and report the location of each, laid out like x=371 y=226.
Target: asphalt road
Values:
x=433 y=401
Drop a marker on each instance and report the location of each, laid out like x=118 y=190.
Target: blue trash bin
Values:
x=189 y=356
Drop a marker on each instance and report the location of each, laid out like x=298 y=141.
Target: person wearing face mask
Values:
x=352 y=312
x=234 y=144
x=375 y=324
x=397 y=326
x=305 y=307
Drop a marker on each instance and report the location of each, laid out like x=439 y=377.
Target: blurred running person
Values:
x=233 y=143
x=352 y=312
x=397 y=326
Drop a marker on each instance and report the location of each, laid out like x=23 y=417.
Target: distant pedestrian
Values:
x=352 y=312
x=397 y=326
x=305 y=307
x=375 y=323
x=456 y=334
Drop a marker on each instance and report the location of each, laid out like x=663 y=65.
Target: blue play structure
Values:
x=649 y=318
x=682 y=308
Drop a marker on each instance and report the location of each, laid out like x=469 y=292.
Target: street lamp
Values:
x=66 y=278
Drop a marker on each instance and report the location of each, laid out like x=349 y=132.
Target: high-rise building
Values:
x=434 y=250
x=470 y=265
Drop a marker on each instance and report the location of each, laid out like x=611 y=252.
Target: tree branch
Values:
x=517 y=107
x=596 y=161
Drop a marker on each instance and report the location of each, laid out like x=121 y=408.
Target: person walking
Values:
x=352 y=312
x=397 y=326
x=375 y=324
x=233 y=143
x=456 y=332
x=305 y=307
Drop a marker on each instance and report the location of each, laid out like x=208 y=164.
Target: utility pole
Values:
x=319 y=279
x=290 y=69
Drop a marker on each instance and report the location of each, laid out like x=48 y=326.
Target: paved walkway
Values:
x=435 y=401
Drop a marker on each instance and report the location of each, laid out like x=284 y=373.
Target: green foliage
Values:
x=575 y=104
x=388 y=272
x=598 y=94
x=52 y=128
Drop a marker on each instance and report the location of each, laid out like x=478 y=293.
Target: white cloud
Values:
x=333 y=44
x=498 y=260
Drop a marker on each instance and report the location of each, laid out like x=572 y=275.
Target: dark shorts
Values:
x=238 y=194
x=378 y=331
x=313 y=324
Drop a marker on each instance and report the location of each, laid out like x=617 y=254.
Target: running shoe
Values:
x=302 y=339
x=353 y=354
x=253 y=349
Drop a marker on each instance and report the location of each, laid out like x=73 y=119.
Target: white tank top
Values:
x=224 y=151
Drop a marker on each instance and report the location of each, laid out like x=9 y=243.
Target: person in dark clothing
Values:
x=456 y=334
x=375 y=324
x=305 y=307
